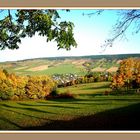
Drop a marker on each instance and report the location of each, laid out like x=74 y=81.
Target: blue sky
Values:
x=90 y=33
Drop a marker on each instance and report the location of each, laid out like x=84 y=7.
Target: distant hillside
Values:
x=113 y=56
x=63 y=65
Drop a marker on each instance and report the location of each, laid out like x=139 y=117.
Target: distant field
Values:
x=90 y=110
x=62 y=69
x=50 y=67
x=43 y=67
x=63 y=65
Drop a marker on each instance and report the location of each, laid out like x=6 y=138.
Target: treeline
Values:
x=13 y=87
x=128 y=75
x=96 y=57
x=110 y=57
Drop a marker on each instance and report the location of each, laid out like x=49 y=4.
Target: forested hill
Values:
x=110 y=57
x=116 y=56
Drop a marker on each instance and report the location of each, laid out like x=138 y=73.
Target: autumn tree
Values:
x=117 y=81
x=39 y=87
x=128 y=74
x=13 y=87
x=18 y=86
x=6 y=87
x=17 y=24
x=136 y=76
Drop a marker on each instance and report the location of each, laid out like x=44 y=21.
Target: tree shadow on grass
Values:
x=96 y=88
x=48 y=105
x=125 y=118
x=25 y=114
x=27 y=109
x=91 y=98
x=29 y=114
x=10 y=122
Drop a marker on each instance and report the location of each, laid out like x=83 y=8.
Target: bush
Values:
x=66 y=95
x=15 y=98
x=54 y=93
x=107 y=92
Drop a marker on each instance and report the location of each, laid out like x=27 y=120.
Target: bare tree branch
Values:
x=119 y=30
x=97 y=12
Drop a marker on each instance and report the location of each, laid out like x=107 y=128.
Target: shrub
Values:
x=15 y=98
x=66 y=95
x=107 y=92
x=54 y=93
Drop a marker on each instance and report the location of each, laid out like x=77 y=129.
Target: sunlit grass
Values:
x=16 y=115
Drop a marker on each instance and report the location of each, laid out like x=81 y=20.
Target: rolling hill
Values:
x=62 y=65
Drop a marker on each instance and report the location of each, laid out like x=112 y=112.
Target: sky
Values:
x=89 y=32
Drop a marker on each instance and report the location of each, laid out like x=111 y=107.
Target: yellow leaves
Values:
x=128 y=72
x=2 y=75
x=22 y=86
x=40 y=86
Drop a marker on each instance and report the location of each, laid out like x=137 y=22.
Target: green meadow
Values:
x=60 y=69
x=91 y=109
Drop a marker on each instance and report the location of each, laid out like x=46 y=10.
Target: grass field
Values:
x=61 y=69
x=89 y=110
x=50 y=67
x=58 y=69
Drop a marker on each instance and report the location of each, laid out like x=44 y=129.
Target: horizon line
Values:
x=69 y=56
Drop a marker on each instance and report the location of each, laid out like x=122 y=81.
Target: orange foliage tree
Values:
x=128 y=74
x=39 y=87
x=22 y=87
